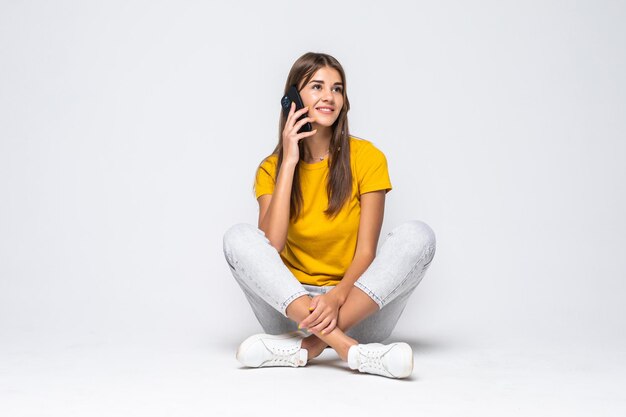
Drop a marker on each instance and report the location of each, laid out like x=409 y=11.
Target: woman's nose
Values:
x=328 y=95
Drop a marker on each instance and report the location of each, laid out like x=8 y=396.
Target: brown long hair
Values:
x=339 y=185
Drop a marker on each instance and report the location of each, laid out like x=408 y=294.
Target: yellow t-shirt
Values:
x=320 y=249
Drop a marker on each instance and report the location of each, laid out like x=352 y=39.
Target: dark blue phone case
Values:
x=285 y=102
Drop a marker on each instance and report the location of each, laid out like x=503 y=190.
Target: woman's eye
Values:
x=319 y=87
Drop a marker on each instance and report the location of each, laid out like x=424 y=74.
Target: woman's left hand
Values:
x=324 y=310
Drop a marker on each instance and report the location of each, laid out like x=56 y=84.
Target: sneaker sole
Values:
x=255 y=338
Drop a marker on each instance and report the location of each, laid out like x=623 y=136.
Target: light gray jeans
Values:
x=270 y=287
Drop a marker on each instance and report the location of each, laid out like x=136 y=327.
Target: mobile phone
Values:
x=285 y=102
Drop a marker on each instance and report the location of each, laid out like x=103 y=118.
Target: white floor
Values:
x=450 y=378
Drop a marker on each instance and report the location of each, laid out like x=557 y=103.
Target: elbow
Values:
x=279 y=248
x=276 y=243
x=366 y=256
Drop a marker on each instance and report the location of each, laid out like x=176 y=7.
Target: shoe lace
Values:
x=284 y=356
x=372 y=360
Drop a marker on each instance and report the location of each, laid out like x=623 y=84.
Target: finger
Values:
x=313 y=303
x=302 y=111
x=295 y=114
x=316 y=324
x=311 y=319
x=324 y=317
x=303 y=135
x=301 y=123
x=330 y=327
x=304 y=324
x=321 y=326
x=315 y=315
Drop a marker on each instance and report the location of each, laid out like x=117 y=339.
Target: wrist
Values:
x=287 y=164
x=340 y=293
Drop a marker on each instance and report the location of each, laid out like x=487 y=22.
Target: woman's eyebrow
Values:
x=322 y=82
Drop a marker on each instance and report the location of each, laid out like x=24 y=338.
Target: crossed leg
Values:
x=357 y=307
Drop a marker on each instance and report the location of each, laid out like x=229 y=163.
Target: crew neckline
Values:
x=314 y=165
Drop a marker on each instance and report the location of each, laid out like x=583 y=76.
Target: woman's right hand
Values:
x=291 y=137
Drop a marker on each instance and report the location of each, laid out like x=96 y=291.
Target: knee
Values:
x=418 y=238
x=237 y=235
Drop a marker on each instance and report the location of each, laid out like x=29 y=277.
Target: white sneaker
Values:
x=273 y=350
x=393 y=361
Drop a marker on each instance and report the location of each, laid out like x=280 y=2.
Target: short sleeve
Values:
x=372 y=171
x=265 y=181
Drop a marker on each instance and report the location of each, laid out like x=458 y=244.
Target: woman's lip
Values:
x=325 y=110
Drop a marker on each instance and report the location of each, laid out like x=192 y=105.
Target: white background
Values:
x=130 y=133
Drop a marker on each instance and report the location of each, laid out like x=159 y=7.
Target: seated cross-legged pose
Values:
x=310 y=270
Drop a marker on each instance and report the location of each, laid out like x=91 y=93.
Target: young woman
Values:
x=312 y=264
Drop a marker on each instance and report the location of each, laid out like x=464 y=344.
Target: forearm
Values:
x=275 y=222
x=359 y=265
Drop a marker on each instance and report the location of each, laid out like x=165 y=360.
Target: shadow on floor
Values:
x=420 y=345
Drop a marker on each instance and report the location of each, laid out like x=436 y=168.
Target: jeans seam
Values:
x=286 y=303
x=261 y=290
x=369 y=292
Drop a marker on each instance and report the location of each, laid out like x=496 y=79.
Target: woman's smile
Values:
x=325 y=110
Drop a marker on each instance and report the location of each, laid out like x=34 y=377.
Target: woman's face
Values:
x=323 y=94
